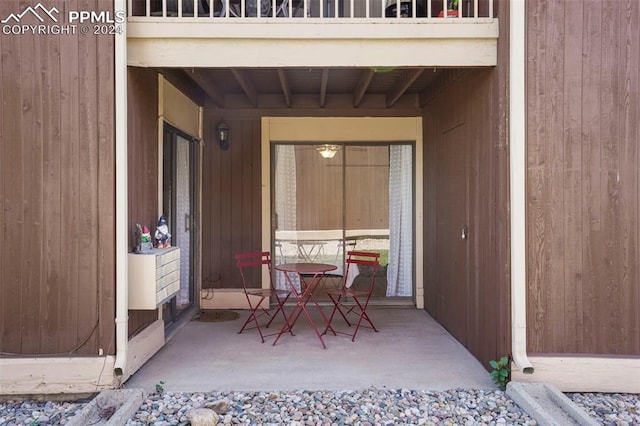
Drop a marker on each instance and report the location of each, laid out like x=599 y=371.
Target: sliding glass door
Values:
x=329 y=199
x=180 y=159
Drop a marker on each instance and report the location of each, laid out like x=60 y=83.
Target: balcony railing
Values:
x=301 y=10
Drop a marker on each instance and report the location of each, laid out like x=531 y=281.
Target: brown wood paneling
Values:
x=52 y=172
x=87 y=190
x=142 y=150
x=70 y=181
x=212 y=180
x=31 y=183
x=12 y=198
x=591 y=161
x=499 y=135
x=582 y=177
x=230 y=196
x=628 y=72
x=105 y=184
x=142 y=106
x=58 y=196
x=467 y=281
x=450 y=209
x=572 y=203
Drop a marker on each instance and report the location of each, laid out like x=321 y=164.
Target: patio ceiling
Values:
x=354 y=87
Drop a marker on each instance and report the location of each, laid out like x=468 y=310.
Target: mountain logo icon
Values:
x=39 y=11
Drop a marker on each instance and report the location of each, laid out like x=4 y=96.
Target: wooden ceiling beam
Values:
x=247 y=85
x=323 y=86
x=284 y=83
x=363 y=84
x=405 y=81
x=202 y=79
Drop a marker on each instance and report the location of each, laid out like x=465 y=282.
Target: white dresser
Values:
x=153 y=277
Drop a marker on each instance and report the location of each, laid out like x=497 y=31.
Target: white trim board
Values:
x=143 y=346
x=310 y=29
x=77 y=375
x=268 y=52
x=584 y=373
x=225 y=298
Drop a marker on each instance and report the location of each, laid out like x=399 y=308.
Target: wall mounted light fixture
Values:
x=222 y=133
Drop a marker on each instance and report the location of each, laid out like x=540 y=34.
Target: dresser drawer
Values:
x=153 y=277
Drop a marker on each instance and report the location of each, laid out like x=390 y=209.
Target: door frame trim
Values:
x=347 y=129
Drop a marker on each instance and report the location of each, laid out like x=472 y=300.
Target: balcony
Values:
x=315 y=9
x=313 y=33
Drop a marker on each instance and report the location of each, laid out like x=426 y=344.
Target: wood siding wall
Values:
x=466 y=288
x=231 y=199
x=142 y=152
x=466 y=185
x=583 y=80
x=57 y=287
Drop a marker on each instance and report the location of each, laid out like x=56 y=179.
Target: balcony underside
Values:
x=373 y=66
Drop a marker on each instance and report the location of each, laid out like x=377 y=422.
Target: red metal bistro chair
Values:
x=250 y=266
x=340 y=297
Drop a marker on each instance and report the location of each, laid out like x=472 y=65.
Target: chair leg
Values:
x=253 y=316
x=337 y=305
x=249 y=319
x=361 y=316
x=255 y=312
x=272 y=317
x=333 y=313
x=280 y=309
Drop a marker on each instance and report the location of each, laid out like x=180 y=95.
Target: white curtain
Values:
x=285 y=203
x=183 y=209
x=399 y=271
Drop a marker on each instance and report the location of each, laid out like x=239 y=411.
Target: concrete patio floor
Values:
x=411 y=351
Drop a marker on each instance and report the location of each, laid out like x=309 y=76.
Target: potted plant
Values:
x=452 y=9
x=406 y=9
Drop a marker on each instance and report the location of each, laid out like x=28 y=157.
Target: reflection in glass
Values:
x=324 y=207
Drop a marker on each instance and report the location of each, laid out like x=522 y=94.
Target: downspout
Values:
x=517 y=174
x=121 y=192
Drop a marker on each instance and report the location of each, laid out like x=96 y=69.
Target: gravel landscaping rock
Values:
x=347 y=407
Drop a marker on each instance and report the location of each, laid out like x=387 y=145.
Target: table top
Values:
x=306 y=267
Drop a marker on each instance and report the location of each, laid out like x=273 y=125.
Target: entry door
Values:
x=179 y=206
x=452 y=232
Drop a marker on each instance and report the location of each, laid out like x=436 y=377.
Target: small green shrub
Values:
x=160 y=387
x=501 y=373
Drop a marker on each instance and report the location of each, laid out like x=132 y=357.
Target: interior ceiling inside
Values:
x=388 y=85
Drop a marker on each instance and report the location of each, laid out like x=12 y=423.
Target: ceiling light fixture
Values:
x=327 y=150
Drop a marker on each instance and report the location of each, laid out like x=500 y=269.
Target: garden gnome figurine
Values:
x=163 y=237
x=143 y=239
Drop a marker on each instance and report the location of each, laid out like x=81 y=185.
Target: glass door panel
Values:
x=180 y=154
x=307 y=208
x=325 y=206
x=367 y=209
